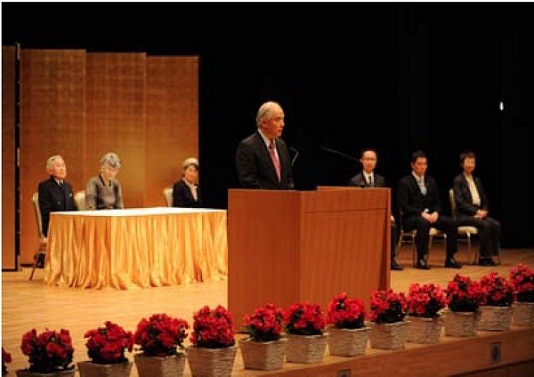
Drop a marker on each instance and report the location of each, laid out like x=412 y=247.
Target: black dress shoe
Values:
x=486 y=262
x=451 y=263
x=422 y=265
x=395 y=266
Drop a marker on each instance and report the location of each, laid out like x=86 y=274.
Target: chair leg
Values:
x=468 y=235
x=413 y=249
x=38 y=258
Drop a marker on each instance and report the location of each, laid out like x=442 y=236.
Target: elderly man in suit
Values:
x=262 y=159
x=418 y=200
x=368 y=178
x=55 y=194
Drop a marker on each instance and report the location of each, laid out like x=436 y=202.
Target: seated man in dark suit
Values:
x=472 y=209
x=55 y=194
x=418 y=199
x=368 y=178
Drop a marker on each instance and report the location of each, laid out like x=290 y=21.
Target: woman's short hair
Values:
x=111 y=159
x=190 y=161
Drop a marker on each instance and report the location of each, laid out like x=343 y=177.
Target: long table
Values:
x=136 y=247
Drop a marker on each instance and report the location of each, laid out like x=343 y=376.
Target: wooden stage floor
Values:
x=27 y=305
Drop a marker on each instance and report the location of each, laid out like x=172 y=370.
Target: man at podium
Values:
x=262 y=159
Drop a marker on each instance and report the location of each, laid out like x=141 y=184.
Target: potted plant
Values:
x=160 y=338
x=464 y=299
x=522 y=279
x=388 y=309
x=425 y=302
x=496 y=312
x=213 y=343
x=347 y=332
x=6 y=359
x=265 y=348
x=106 y=347
x=49 y=352
x=304 y=324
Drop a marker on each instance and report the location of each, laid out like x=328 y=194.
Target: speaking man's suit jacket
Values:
x=53 y=198
x=254 y=166
x=360 y=181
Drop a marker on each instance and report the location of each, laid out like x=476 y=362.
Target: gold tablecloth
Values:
x=136 y=247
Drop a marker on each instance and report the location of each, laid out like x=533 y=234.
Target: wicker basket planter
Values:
x=154 y=366
x=28 y=373
x=523 y=313
x=348 y=342
x=306 y=348
x=263 y=355
x=423 y=330
x=495 y=318
x=90 y=369
x=461 y=324
x=388 y=336
x=211 y=362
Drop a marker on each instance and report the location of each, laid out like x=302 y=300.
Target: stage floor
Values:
x=32 y=304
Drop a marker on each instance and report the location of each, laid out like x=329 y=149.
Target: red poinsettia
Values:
x=304 y=319
x=6 y=359
x=464 y=295
x=345 y=312
x=522 y=279
x=106 y=345
x=213 y=328
x=388 y=306
x=160 y=335
x=265 y=323
x=49 y=351
x=497 y=290
x=426 y=300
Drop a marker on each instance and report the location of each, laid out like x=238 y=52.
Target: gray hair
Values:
x=265 y=111
x=111 y=159
x=51 y=160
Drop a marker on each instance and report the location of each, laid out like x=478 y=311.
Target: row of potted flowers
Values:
x=161 y=336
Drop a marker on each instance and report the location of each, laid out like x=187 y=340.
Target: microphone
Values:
x=296 y=152
x=346 y=156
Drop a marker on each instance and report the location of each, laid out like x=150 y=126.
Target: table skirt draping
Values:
x=125 y=248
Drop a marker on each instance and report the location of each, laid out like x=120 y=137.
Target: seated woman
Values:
x=186 y=192
x=472 y=209
x=104 y=191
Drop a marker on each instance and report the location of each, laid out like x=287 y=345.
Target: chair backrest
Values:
x=35 y=201
x=452 y=202
x=79 y=200
x=167 y=193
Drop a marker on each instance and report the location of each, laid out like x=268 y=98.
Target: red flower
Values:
x=50 y=351
x=160 y=335
x=304 y=319
x=426 y=300
x=345 y=312
x=464 y=295
x=213 y=328
x=106 y=345
x=6 y=358
x=388 y=306
x=522 y=279
x=265 y=324
x=497 y=290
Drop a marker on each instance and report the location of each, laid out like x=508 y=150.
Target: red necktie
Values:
x=274 y=157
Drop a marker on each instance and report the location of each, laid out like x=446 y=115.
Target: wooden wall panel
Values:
x=172 y=122
x=52 y=122
x=8 y=157
x=115 y=116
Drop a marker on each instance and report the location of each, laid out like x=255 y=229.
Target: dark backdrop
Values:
x=393 y=76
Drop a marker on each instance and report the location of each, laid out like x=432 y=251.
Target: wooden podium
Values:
x=294 y=246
